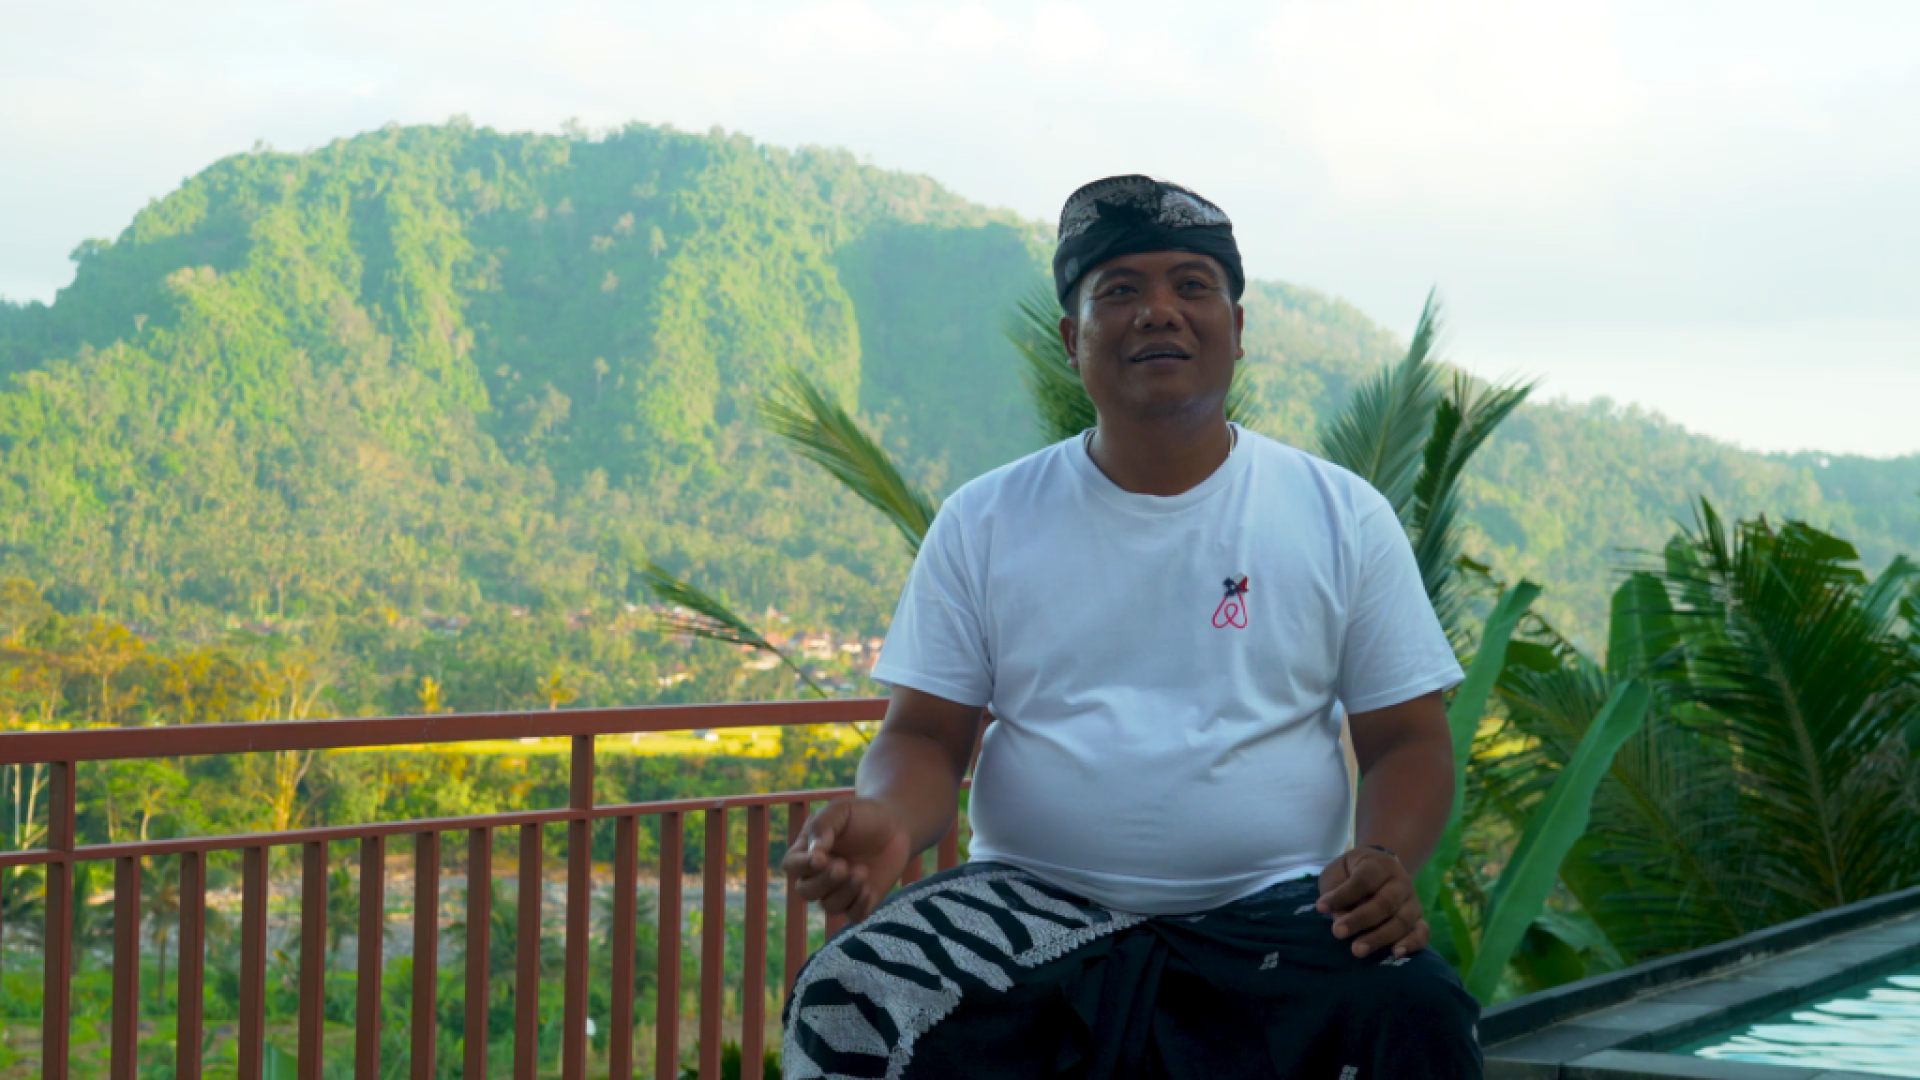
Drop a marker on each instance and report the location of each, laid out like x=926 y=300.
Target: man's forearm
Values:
x=915 y=775
x=1404 y=799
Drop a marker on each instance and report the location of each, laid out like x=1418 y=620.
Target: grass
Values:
x=763 y=742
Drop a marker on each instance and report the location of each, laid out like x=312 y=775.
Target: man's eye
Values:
x=1196 y=283
x=1117 y=290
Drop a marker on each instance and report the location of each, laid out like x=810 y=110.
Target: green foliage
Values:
x=1410 y=437
x=1382 y=434
x=1775 y=775
x=1803 y=672
x=823 y=432
x=1550 y=833
x=694 y=612
x=1464 y=711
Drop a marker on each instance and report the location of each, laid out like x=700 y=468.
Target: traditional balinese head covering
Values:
x=1125 y=214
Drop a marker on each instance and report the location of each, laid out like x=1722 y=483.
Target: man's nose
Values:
x=1158 y=308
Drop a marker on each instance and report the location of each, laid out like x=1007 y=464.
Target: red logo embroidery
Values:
x=1233 y=607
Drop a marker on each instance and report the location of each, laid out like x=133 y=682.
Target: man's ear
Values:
x=1070 y=340
x=1239 y=331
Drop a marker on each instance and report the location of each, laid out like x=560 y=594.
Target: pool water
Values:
x=1870 y=1028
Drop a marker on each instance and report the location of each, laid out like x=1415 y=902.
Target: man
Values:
x=1163 y=616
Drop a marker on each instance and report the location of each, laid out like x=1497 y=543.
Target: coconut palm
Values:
x=1777 y=775
x=822 y=430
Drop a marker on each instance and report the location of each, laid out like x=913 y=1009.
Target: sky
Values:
x=1706 y=209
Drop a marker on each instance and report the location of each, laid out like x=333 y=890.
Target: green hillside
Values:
x=445 y=370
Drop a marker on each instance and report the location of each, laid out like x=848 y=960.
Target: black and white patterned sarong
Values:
x=986 y=971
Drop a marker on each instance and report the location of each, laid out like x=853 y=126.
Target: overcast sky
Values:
x=1705 y=208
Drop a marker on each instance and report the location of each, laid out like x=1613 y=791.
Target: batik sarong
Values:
x=986 y=971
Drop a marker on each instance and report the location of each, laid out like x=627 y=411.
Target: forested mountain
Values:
x=441 y=373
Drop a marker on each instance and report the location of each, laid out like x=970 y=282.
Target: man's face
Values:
x=1155 y=334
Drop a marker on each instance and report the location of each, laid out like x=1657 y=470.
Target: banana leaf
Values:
x=1642 y=632
x=1469 y=704
x=1561 y=818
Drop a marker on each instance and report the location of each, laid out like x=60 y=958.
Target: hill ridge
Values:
x=448 y=368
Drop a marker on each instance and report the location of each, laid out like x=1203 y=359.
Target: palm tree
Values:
x=1776 y=775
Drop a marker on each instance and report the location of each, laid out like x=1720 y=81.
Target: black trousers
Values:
x=985 y=971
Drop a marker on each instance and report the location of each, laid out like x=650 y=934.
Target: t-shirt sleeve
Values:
x=1395 y=649
x=937 y=643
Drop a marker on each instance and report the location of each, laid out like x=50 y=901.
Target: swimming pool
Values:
x=1870 y=1028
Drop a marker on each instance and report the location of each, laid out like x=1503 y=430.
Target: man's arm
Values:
x=1406 y=792
x=1406 y=777
x=917 y=761
x=850 y=853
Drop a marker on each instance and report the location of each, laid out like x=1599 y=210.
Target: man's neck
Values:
x=1161 y=458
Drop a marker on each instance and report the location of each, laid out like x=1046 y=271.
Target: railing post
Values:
x=56 y=986
x=313 y=957
x=666 y=1039
x=713 y=941
x=253 y=963
x=189 y=1009
x=526 y=948
x=796 y=936
x=124 y=1063
x=426 y=950
x=366 y=979
x=479 y=914
x=626 y=836
x=573 y=1010
x=753 y=960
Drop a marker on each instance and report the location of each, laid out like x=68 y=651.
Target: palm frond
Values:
x=1060 y=402
x=1810 y=683
x=802 y=413
x=1462 y=422
x=1884 y=594
x=1382 y=434
x=692 y=611
x=1661 y=868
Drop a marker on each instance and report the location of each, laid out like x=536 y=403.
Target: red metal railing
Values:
x=63 y=752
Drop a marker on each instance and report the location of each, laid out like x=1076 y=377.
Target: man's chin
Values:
x=1165 y=408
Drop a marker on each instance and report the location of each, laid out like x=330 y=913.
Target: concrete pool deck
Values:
x=1619 y=1026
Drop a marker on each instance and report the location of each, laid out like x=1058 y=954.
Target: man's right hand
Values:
x=848 y=855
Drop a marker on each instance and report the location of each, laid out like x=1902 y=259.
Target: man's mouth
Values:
x=1159 y=352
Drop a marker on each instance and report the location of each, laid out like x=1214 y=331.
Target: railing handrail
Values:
x=412 y=826
x=345 y=733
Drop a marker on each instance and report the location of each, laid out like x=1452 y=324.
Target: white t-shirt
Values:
x=1163 y=671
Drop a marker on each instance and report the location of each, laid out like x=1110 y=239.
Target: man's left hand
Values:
x=1371 y=898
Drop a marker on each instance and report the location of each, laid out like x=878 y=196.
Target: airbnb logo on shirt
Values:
x=1233 y=607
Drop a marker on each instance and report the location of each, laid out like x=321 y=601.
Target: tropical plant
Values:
x=1517 y=900
x=1795 y=658
x=1777 y=773
x=693 y=611
x=1410 y=431
x=820 y=428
